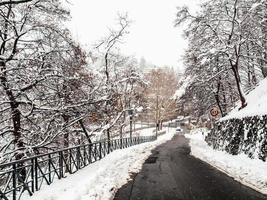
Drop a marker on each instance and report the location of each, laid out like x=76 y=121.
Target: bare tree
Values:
x=159 y=95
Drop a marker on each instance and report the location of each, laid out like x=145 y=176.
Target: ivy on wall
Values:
x=235 y=136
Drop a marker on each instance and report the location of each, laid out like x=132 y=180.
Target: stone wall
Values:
x=235 y=136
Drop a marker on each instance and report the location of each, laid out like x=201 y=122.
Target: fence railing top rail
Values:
x=4 y=165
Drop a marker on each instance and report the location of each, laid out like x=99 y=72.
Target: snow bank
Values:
x=100 y=180
x=198 y=132
x=256 y=100
x=250 y=172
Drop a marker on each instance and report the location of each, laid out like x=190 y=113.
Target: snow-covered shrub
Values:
x=247 y=135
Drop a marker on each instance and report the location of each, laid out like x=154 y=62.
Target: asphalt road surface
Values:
x=170 y=173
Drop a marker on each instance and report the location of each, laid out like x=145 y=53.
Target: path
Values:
x=171 y=173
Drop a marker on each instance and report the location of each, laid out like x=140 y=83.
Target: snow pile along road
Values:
x=250 y=172
x=100 y=180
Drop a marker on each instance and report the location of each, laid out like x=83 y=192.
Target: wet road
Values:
x=170 y=173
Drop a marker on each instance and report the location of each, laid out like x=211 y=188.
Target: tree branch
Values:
x=14 y=2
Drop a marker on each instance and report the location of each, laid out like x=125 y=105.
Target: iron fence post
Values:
x=49 y=168
x=90 y=153
x=36 y=173
x=32 y=174
x=78 y=157
x=70 y=162
x=108 y=146
x=14 y=177
x=61 y=164
x=95 y=151
x=100 y=147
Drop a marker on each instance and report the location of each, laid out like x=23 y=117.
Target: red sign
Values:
x=214 y=112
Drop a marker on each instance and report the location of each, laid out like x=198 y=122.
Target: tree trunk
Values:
x=232 y=94
x=16 y=119
x=225 y=110
x=66 y=135
x=238 y=84
x=85 y=132
x=217 y=97
x=15 y=113
x=252 y=80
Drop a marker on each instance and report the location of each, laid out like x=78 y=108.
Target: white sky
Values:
x=152 y=33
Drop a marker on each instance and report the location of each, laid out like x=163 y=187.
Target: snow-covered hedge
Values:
x=247 y=135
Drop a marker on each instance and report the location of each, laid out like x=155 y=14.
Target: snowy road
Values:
x=171 y=173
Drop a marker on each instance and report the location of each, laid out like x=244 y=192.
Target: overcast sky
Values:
x=152 y=33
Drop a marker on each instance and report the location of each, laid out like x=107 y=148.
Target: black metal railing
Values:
x=24 y=177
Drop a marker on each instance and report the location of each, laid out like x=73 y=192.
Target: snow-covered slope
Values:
x=257 y=103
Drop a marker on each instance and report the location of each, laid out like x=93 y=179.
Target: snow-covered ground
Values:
x=256 y=101
x=144 y=132
x=137 y=125
x=250 y=172
x=100 y=180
